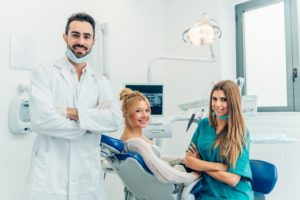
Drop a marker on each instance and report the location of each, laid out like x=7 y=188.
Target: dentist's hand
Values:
x=72 y=113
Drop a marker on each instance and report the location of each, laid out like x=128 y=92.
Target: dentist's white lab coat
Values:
x=65 y=159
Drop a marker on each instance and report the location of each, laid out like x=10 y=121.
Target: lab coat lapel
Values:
x=88 y=92
x=61 y=65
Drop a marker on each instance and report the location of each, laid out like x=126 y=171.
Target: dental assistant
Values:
x=71 y=105
x=222 y=138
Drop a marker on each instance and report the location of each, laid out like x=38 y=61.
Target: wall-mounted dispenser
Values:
x=18 y=114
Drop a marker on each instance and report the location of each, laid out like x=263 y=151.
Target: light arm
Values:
x=177 y=58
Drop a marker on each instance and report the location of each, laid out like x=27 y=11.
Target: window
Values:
x=267 y=53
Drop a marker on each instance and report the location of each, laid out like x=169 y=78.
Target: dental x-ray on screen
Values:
x=154 y=93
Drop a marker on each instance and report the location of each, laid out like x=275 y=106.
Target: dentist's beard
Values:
x=74 y=58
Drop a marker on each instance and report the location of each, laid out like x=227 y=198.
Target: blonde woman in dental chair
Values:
x=136 y=112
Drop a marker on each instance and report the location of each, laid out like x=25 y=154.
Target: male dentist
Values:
x=71 y=105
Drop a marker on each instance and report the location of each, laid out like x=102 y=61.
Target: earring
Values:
x=213 y=113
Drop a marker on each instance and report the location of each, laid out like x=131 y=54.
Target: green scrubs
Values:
x=213 y=189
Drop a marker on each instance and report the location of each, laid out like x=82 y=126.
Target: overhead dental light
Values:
x=203 y=32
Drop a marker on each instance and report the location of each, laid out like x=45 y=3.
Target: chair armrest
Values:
x=192 y=191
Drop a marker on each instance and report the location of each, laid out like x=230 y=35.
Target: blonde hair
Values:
x=130 y=100
x=232 y=139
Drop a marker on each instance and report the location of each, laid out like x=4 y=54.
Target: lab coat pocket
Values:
x=90 y=179
x=98 y=179
x=40 y=171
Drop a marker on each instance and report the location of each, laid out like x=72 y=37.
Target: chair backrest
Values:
x=264 y=176
x=113 y=144
x=142 y=184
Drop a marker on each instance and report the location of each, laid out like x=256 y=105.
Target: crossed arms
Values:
x=216 y=170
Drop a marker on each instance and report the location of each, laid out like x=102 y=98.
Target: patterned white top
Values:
x=161 y=169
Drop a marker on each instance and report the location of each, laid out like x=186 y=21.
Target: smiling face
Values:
x=219 y=103
x=141 y=115
x=80 y=38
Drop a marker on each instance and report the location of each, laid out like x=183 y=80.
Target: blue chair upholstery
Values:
x=115 y=145
x=264 y=177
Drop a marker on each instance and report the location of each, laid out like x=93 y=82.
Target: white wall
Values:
x=240 y=1
x=279 y=127
x=136 y=32
x=227 y=44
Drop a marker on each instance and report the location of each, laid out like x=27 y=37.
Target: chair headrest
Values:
x=115 y=145
x=264 y=176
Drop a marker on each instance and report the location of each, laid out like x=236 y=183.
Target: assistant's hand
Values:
x=191 y=156
x=192 y=151
x=72 y=113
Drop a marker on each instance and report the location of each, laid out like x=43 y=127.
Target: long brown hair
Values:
x=130 y=100
x=232 y=139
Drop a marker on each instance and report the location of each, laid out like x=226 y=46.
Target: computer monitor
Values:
x=154 y=93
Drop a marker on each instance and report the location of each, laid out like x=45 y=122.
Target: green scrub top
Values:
x=213 y=189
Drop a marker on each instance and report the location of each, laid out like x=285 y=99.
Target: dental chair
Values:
x=140 y=184
x=138 y=180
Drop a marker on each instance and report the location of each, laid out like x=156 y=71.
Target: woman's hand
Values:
x=192 y=151
x=191 y=156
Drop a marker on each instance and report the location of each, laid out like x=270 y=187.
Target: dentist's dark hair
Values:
x=83 y=17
